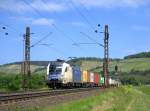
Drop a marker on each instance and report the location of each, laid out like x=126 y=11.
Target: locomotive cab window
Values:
x=58 y=70
x=51 y=68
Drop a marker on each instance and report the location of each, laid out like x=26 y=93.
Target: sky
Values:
x=66 y=23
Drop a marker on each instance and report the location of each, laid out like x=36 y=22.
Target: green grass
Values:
x=136 y=100
x=145 y=89
x=126 y=98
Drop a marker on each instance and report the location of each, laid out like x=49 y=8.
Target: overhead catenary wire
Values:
x=10 y=27
x=48 y=24
x=41 y=39
x=37 y=12
x=56 y=50
x=11 y=30
x=93 y=40
x=85 y=43
x=88 y=12
x=56 y=27
x=82 y=15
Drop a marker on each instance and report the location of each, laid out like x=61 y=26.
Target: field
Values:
x=126 y=65
x=125 y=98
x=138 y=64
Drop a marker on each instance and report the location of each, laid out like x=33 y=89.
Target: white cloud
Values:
x=21 y=6
x=112 y=3
x=13 y=5
x=43 y=21
x=48 y=6
x=25 y=19
x=34 y=21
x=140 y=28
x=60 y=5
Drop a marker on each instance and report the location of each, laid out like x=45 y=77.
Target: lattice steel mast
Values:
x=106 y=55
x=25 y=69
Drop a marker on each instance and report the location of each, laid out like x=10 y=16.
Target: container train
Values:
x=61 y=74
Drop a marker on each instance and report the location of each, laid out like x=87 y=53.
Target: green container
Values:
x=101 y=80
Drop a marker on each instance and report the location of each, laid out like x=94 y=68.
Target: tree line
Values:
x=139 y=55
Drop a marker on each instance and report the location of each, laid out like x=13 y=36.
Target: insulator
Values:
x=3 y=27
x=96 y=31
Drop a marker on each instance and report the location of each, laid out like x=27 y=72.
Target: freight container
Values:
x=91 y=77
x=85 y=76
x=96 y=78
x=76 y=74
x=88 y=76
x=101 y=80
x=112 y=81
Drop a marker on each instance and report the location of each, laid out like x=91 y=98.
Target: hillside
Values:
x=37 y=63
x=124 y=65
x=16 y=69
x=138 y=55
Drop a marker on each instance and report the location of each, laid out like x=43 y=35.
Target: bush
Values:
x=13 y=82
x=36 y=81
x=135 y=77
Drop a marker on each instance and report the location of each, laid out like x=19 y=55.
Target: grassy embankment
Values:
x=126 y=98
x=121 y=99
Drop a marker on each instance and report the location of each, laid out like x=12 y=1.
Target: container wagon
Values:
x=91 y=79
x=101 y=80
x=85 y=78
x=113 y=82
x=61 y=74
x=76 y=72
x=96 y=79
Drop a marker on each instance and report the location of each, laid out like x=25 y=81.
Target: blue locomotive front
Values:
x=54 y=74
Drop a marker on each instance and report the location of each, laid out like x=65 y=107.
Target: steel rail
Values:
x=8 y=98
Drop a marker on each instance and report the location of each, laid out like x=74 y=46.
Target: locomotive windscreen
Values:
x=55 y=67
x=52 y=68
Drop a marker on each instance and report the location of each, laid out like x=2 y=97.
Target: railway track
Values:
x=15 y=97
